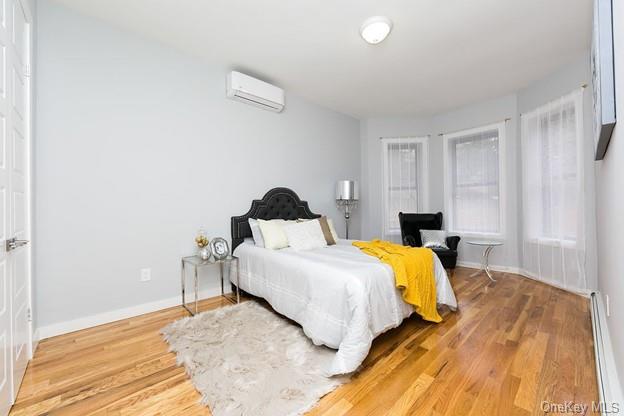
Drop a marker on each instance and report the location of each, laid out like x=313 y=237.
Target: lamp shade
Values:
x=347 y=191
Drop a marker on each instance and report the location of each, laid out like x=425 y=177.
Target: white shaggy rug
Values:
x=247 y=360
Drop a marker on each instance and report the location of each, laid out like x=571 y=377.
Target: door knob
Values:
x=13 y=243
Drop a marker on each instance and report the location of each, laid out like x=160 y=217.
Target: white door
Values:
x=6 y=375
x=15 y=296
x=19 y=258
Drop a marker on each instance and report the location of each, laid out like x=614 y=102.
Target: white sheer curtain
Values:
x=473 y=180
x=404 y=186
x=553 y=160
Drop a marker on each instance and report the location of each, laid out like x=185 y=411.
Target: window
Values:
x=404 y=180
x=473 y=180
x=557 y=165
x=551 y=137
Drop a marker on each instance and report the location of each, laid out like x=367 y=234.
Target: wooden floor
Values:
x=511 y=345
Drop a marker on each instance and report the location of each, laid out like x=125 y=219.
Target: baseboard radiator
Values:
x=609 y=390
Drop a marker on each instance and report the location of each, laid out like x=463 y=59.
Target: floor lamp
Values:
x=347 y=196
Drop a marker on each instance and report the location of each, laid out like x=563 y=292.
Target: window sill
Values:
x=393 y=232
x=552 y=242
x=489 y=236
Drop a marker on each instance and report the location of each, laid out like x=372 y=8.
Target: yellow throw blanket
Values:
x=413 y=273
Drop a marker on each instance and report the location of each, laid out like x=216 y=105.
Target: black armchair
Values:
x=411 y=224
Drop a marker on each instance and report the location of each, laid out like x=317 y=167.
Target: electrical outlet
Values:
x=608 y=305
x=146 y=275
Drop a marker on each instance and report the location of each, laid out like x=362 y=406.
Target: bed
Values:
x=341 y=297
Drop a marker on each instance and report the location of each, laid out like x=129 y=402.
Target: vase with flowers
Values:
x=202 y=245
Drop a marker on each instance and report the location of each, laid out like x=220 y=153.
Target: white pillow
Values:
x=332 y=230
x=273 y=234
x=305 y=235
x=256 y=233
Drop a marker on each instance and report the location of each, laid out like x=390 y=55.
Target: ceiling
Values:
x=441 y=54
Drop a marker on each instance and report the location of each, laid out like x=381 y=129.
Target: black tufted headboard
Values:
x=278 y=203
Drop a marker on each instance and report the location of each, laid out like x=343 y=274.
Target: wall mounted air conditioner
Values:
x=252 y=91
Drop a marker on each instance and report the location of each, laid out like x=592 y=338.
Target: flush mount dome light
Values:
x=375 y=29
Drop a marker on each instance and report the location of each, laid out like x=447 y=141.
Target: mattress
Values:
x=341 y=297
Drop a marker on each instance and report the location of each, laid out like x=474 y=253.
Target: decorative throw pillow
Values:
x=329 y=238
x=332 y=229
x=255 y=232
x=433 y=238
x=305 y=235
x=273 y=234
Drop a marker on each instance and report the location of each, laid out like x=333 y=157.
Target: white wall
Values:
x=495 y=110
x=137 y=147
x=610 y=203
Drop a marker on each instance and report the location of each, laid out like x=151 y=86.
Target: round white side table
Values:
x=485 y=262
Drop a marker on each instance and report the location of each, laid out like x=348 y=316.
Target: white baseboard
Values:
x=504 y=269
x=609 y=387
x=35 y=341
x=583 y=292
x=65 y=327
x=516 y=270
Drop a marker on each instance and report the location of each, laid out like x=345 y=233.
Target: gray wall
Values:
x=610 y=202
x=137 y=147
x=481 y=114
x=495 y=110
x=371 y=130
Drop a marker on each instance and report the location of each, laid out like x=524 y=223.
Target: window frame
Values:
x=502 y=180
x=423 y=183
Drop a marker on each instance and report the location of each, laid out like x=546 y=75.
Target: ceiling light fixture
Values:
x=375 y=29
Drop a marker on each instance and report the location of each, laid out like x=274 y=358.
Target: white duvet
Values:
x=340 y=296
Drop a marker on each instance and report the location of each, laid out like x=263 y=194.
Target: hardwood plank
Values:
x=340 y=408
x=403 y=406
x=511 y=345
x=527 y=392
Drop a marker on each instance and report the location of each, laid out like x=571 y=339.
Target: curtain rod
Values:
x=405 y=137
x=583 y=86
x=469 y=128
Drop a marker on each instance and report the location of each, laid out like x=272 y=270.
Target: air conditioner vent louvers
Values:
x=240 y=97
